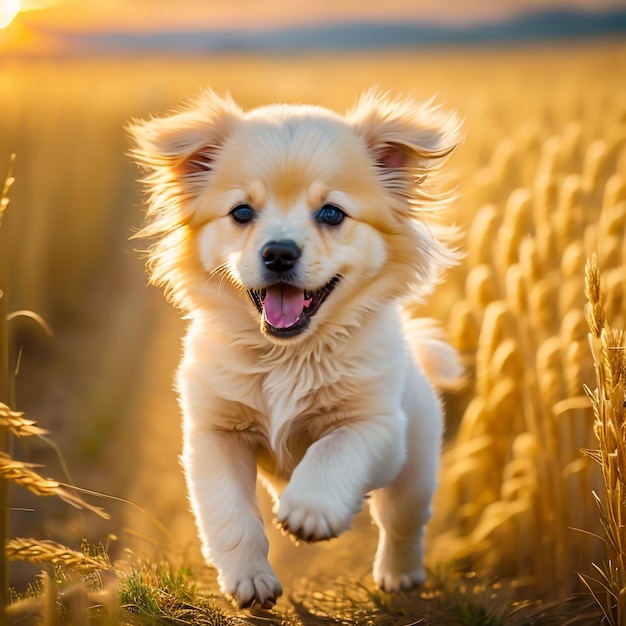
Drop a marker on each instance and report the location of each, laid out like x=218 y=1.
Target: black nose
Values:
x=280 y=256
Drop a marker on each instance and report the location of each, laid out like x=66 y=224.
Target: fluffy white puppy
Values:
x=291 y=237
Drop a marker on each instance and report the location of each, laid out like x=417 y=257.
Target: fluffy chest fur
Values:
x=284 y=398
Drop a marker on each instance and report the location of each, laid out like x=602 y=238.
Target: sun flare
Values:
x=8 y=10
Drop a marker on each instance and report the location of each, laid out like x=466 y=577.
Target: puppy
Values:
x=292 y=238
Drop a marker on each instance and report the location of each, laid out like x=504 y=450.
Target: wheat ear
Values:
x=23 y=475
x=35 y=551
x=18 y=424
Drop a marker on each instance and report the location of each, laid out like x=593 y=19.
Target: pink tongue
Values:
x=283 y=305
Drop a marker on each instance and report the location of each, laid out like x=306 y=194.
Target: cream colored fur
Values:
x=345 y=408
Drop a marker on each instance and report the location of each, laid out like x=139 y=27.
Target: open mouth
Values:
x=287 y=310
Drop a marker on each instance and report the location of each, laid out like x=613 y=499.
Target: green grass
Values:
x=137 y=591
x=160 y=593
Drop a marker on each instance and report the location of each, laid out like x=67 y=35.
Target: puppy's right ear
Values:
x=407 y=140
x=179 y=150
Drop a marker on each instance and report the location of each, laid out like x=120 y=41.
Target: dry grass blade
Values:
x=35 y=551
x=23 y=475
x=34 y=316
x=9 y=180
x=18 y=424
x=594 y=595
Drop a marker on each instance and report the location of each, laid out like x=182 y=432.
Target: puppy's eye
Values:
x=330 y=215
x=243 y=213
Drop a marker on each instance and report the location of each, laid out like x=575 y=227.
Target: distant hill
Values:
x=550 y=24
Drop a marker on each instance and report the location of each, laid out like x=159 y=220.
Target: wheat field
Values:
x=522 y=514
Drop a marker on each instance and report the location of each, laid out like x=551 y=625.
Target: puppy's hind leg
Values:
x=402 y=508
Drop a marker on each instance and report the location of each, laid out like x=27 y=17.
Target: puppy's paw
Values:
x=263 y=589
x=390 y=581
x=251 y=588
x=398 y=565
x=312 y=519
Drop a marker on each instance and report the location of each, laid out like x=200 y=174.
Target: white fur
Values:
x=346 y=408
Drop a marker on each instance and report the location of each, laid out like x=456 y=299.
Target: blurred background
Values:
x=542 y=89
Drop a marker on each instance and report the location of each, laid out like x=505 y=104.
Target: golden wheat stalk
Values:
x=23 y=475
x=4 y=381
x=35 y=551
x=18 y=424
x=609 y=355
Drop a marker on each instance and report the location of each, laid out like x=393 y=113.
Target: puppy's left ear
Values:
x=187 y=142
x=180 y=151
x=405 y=138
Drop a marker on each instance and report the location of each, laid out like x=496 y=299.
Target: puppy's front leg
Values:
x=328 y=486
x=220 y=468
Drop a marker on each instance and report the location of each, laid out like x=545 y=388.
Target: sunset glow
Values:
x=8 y=10
x=43 y=27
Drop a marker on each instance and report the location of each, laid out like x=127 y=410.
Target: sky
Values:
x=40 y=20
x=86 y=15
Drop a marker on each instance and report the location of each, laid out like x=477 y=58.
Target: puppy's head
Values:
x=294 y=218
